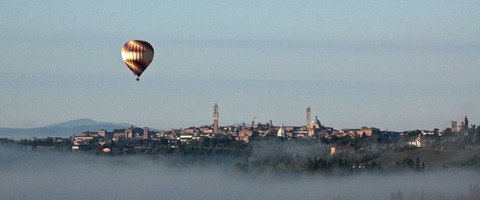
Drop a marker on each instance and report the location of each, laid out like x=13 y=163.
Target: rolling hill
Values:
x=63 y=129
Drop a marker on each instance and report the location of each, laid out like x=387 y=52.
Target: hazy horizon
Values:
x=62 y=175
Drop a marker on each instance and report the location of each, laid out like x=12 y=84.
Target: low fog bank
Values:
x=61 y=175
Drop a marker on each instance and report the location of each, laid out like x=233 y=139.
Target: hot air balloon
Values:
x=137 y=55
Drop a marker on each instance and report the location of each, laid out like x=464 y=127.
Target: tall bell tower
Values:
x=215 y=118
x=309 y=117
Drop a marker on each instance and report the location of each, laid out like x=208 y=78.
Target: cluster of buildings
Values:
x=313 y=128
x=242 y=132
x=458 y=127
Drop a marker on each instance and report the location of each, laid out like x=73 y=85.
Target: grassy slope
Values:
x=431 y=157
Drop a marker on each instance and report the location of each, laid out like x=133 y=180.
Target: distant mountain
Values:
x=85 y=122
x=75 y=123
x=63 y=129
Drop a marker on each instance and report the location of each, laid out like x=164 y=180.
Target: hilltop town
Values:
x=309 y=146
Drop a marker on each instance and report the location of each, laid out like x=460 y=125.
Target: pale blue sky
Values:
x=395 y=65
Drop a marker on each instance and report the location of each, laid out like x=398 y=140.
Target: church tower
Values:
x=281 y=132
x=465 y=123
x=309 y=118
x=146 y=130
x=215 y=118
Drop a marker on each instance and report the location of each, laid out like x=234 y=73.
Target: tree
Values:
x=477 y=136
x=309 y=165
x=417 y=164
x=204 y=142
x=213 y=142
x=447 y=132
x=408 y=163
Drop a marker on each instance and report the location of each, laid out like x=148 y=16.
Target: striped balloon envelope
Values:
x=137 y=55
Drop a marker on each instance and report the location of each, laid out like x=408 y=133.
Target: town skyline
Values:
x=216 y=122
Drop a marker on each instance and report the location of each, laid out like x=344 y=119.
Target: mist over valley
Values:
x=30 y=174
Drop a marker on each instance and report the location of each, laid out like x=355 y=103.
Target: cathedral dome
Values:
x=316 y=123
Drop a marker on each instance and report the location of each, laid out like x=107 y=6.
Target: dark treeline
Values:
x=270 y=155
x=286 y=161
